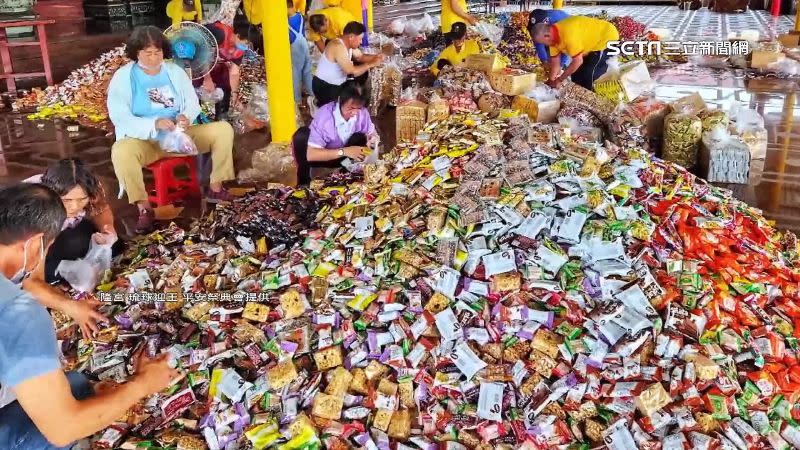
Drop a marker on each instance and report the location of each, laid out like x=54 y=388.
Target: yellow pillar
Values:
x=558 y=4
x=279 y=70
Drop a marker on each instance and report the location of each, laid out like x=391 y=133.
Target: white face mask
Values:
x=149 y=68
x=23 y=274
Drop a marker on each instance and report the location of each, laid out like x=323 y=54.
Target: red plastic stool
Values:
x=167 y=187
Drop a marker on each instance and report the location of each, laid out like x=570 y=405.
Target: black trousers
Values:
x=300 y=150
x=324 y=92
x=72 y=243
x=594 y=65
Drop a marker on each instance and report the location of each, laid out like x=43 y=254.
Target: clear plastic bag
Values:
x=177 y=141
x=397 y=26
x=84 y=274
x=542 y=93
x=745 y=118
x=210 y=96
x=491 y=32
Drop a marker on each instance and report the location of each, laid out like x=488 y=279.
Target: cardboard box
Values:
x=484 y=62
x=761 y=59
x=790 y=39
x=512 y=81
x=543 y=112
x=632 y=80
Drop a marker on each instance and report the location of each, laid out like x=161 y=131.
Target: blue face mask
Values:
x=242 y=47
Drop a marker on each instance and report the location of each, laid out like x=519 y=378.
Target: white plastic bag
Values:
x=210 y=96
x=542 y=93
x=177 y=141
x=397 y=26
x=427 y=24
x=491 y=32
x=84 y=274
x=745 y=118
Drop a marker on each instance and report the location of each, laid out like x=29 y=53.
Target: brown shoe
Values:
x=145 y=222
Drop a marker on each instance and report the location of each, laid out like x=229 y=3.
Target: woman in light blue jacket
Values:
x=149 y=98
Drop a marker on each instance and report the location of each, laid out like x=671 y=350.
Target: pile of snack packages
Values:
x=493 y=283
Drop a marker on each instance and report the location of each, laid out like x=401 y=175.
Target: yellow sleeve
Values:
x=448 y=54
x=473 y=48
x=554 y=51
x=300 y=6
x=198 y=6
x=313 y=36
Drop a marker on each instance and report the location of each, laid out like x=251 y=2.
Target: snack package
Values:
x=624 y=82
x=682 y=135
x=724 y=158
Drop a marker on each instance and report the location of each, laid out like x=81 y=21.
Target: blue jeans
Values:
x=301 y=67
x=18 y=432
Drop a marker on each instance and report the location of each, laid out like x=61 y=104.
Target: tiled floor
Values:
x=27 y=148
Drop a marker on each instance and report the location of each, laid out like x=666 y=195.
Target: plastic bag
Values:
x=210 y=96
x=786 y=66
x=713 y=61
x=745 y=118
x=724 y=158
x=177 y=141
x=84 y=274
x=542 y=93
x=491 y=32
x=682 y=136
x=397 y=26
x=427 y=25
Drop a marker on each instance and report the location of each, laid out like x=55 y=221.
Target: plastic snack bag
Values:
x=177 y=141
x=84 y=274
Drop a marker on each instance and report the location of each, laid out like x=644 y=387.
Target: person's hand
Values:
x=208 y=84
x=472 y=20
x=155 y=374
x=106 y=237
x=85 y=314
x=183 y=121
x=373 y=140
x=554 y=83
x=356 y=153
x=165 y=125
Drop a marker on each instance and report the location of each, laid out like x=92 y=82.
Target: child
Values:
x=301 y=58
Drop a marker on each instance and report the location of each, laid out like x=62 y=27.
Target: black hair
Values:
x=316 y=22
x=252 y=33
x=354 y=28
x=350 y=90
x=443 y=63
x=147 y=36
x=27 y=209
x=457 y=31
x=289 y=4
x=66 y=174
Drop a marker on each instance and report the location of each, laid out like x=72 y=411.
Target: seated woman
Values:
x=340 y=60
x=148 y=98
x=341 y=129
x=460 y=47
x=89 y=218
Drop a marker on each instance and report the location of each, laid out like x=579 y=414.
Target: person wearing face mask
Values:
x=148 y=98
x=89 y=218
x=460 y=47
x=41 y=407
x=341 y=59
x=340 y=130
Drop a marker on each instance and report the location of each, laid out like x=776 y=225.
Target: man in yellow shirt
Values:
x=585 y=40
x=460 y=47
x=354 y=8
x=455 y=11
x=327 y=24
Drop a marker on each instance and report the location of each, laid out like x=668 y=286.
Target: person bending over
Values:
x=548 y=16
x=340 y=60
x=41 y=407
x=89 y=218
x=148 y=98
x=460 y=47
x=340 y=129
x=327 y=24
x=585 y=40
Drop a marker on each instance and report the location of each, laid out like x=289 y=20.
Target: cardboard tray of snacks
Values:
x=512 y=81
x=484 y=62
x=632 y=80
x=543 y=112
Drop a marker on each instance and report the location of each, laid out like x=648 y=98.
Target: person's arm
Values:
x=461 y=12
x=368 y=59
x=573 y=66
x=47 y=399
x=191 y=104
x=555 y=67
x=317 y=150
x=320 y=45
x=83 y=312
x=343 y=60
